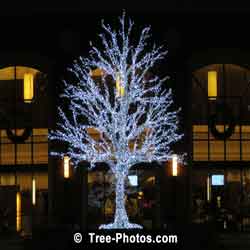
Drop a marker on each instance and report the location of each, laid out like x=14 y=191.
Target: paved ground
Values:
x=11 y=242
x=235 y=241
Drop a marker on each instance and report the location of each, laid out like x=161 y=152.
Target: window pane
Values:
x=200 y=132
x=217 y=150
x=7 y=179
x=41 y=180
x=24 y=153
x=7 y=154
x=4 y=137
x=245 y=132
x=233 y=150
x=40 y=153
x=236 y=134
x=200 y=150
x=40 y=135
x=246 y=150
x=24 y=181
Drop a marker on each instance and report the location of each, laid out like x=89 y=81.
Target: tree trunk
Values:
x=121 y=217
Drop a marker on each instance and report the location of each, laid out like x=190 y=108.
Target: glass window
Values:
x=216 y=150
x=227 y=85
x=34 y=150
x=7 y=154
x=18 y=80
x=246 y=150
x=7 y=180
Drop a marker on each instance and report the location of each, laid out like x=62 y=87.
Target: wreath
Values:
x=224 y=109
x=13 y=137
x=19 y=138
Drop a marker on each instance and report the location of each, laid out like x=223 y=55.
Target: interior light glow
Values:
x=28 y=87
x=212 y=85
x=174 y=165
x=33 y=191
x=66 y=166
x=18 y=211
x=133 y=180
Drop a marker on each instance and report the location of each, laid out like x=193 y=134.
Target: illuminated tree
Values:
x=134 y=117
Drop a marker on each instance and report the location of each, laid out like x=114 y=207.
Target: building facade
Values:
x=209 y=69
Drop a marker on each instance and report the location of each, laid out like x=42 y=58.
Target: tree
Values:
x=134 y=119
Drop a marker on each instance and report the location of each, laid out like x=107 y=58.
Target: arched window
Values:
x=221 y=113
x=19 y=82
x=22 y=141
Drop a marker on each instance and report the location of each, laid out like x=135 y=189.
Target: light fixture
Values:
x=28 y=87
x=208 y=188
x=18 y=211
x=119 y=89
x=174 y=165
x=66 y=167
x=33 y=191
x=212 y=85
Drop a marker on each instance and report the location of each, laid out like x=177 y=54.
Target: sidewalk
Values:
x=11 y=242
x=235 y=241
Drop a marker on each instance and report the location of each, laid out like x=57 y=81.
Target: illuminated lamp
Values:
x=174 y=165
x=212 y=85
x=28 y=87
x=66 y=167
x=18 y=211
x=33 y=191
x=208 y=188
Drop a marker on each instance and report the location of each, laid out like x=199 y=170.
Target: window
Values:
x=18 y=82
x=221 y=123
x=235 y=148
x=34 y=150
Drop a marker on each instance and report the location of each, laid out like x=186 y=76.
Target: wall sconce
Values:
x=28 y=87
x=174 y=165
x=66 y=167
x=208 y=188
x=33 y=191
x=212 y=85
x=18 y=212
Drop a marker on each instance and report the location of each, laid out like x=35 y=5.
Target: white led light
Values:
x=135 y=120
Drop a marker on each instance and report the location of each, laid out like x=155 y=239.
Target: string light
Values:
x=119 y=121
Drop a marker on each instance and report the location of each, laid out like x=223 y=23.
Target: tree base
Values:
x=121 y=225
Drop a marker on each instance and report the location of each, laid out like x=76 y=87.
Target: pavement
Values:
x=234 y=241
x=11 y=242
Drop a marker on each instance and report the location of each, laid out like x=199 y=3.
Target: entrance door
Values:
x=222 y=196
